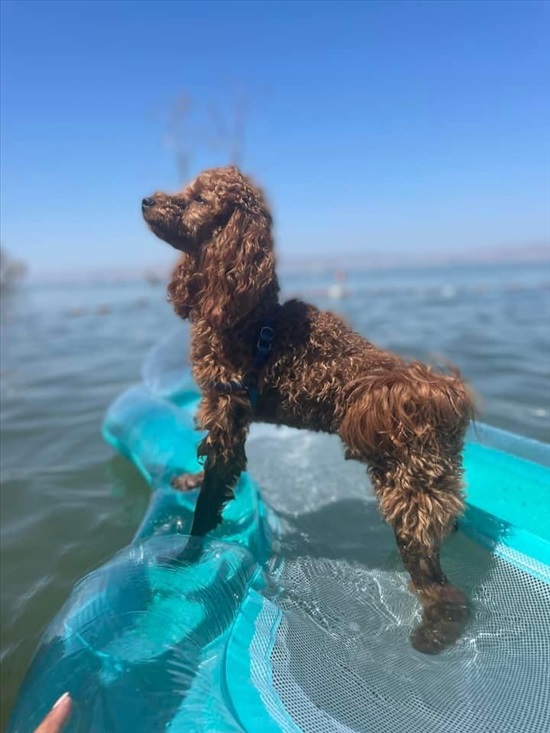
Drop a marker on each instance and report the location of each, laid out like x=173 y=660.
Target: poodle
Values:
x=256 y=359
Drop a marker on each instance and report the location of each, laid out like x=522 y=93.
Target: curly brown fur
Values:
x=404 y=420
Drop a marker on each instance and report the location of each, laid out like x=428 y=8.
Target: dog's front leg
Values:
x=227 y=418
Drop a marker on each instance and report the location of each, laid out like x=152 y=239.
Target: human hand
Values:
x=55 y=720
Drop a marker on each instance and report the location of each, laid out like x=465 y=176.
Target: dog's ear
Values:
x=238 y=267
x=184 y=286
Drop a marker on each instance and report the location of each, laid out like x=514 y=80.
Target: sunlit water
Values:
x=67 y=503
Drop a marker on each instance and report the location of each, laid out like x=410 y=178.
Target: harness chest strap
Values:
x=249 y=383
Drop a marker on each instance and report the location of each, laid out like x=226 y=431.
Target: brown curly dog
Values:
x=291 y=364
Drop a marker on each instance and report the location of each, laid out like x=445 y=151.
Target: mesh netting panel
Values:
x=344 y=647
x=342 y=659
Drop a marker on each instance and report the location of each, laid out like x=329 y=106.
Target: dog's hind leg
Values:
x=408 y=425
x=422 y=509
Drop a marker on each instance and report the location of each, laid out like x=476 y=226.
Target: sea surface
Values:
x=68 y=503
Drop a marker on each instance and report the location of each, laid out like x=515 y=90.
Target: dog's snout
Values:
x=147 y=203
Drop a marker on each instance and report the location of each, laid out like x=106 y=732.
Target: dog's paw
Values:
x=443 y=621
x=187 y=481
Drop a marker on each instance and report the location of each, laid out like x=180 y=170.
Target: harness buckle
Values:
x=265 y=338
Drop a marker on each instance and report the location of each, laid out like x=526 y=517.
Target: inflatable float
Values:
x=266 y=634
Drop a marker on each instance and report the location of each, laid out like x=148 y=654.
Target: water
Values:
x=67 y=503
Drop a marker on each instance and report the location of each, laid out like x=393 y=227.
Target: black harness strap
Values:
x=249 y=383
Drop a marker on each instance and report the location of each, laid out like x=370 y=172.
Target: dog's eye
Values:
x=199 y=200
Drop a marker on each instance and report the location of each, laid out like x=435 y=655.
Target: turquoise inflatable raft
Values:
x=277 y=630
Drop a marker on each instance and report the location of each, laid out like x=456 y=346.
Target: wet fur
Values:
x=405 y=421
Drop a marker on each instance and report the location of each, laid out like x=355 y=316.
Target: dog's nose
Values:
x=146 y=203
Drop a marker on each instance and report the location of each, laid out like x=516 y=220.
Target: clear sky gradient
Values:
x=375 y=127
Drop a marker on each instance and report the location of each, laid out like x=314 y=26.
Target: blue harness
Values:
x=249 y=383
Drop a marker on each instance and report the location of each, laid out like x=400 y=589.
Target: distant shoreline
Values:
x=320 y=266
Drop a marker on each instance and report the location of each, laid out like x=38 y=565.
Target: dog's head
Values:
x=222 y=224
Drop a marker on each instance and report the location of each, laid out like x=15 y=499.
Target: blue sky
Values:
x=375 y=127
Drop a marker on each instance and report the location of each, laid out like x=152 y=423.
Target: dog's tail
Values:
x=410 y=404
